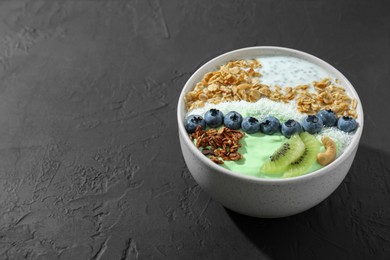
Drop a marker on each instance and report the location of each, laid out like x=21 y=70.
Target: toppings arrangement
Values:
x=323 y=110
x=233 y=120
x=294 y=157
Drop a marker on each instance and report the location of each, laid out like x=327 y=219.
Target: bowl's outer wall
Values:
x=265 y=199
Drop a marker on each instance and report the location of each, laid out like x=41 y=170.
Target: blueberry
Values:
x=270 y=125
x=329 y=118
x=290 y=127
x=347 y=124
x=312 y=124
x=213 y=118
x=191 y=122
x=250 y=125
x=233 y=120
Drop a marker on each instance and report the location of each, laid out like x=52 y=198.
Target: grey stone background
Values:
x=90 y=164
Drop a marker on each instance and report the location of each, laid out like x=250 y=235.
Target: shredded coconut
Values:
x=342 y=139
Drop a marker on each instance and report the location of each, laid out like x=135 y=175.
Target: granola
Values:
x=221 y=145
x=239 y=80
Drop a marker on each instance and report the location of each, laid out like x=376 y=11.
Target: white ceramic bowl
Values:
x=259 y=197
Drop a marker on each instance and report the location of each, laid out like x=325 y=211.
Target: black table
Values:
x=90 y=163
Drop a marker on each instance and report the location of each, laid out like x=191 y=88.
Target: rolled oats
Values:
x=232 y=77
x=244 y=86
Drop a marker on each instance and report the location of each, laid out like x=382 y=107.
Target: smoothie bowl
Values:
x=269 y=131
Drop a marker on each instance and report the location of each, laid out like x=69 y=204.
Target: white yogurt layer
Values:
x=286 y=71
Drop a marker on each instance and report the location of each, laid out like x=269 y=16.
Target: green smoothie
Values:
x=256 y=149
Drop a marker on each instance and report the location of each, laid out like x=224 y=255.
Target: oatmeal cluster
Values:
x=326 y=95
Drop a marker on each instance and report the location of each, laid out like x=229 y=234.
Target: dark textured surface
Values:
x=90 y=164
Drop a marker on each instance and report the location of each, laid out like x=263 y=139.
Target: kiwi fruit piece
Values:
x=307 y=159
x=289 y=152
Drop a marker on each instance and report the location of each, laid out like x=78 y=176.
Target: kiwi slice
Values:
x=289 y=152
x=307 y=159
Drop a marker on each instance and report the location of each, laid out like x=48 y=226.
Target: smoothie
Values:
x=293 y=117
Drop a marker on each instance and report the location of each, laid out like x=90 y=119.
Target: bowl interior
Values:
x=254 y=52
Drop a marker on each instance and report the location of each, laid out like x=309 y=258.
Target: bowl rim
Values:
x=222 y=58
